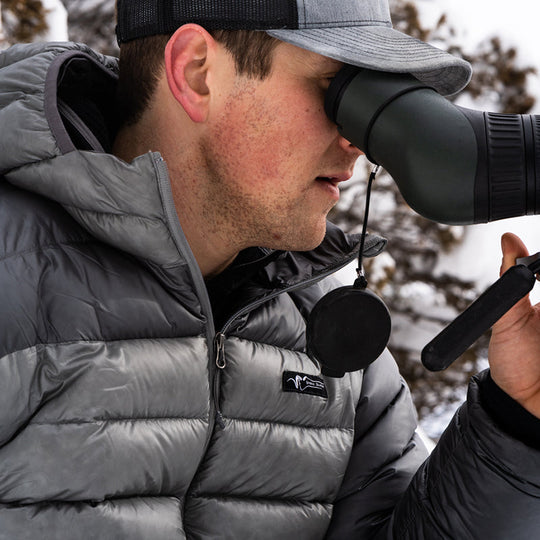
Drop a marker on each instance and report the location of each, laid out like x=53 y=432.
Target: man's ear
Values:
x=187 y=59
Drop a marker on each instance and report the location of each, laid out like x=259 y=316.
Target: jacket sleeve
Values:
x=478 y=483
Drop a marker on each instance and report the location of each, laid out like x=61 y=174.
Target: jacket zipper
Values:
x=217 y=361
x=301 y=285
x=221 y=364
x=198 y=280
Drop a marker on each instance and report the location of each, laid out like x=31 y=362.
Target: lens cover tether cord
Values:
x=361 y=281
x=350 y=326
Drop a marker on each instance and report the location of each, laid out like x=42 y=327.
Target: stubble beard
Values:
x=243 y=220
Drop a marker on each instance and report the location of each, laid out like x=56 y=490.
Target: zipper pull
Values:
x=219 y=345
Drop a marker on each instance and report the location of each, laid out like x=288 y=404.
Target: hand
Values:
x=514 y=349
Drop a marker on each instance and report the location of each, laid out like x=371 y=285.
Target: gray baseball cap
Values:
x=357 y=32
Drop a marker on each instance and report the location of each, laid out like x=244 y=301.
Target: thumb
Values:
x=512 y=248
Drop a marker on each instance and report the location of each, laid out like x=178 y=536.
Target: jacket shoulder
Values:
x=30 y=222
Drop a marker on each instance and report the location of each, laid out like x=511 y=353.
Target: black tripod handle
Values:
x=479 y=317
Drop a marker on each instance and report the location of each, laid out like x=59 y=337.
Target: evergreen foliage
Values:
x=24 y=20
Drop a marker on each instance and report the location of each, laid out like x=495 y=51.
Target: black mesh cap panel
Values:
x=141 y=18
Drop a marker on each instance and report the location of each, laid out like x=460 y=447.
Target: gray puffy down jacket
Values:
x=109 y=386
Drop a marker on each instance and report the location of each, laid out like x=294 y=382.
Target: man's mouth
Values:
x=329 y=179
x=335 y=178
x=331 y=185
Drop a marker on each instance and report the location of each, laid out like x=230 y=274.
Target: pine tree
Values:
x=23 y=20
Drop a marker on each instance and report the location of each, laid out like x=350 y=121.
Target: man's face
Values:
x=272 y=158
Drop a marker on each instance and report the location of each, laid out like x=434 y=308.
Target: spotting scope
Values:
x=451 y=164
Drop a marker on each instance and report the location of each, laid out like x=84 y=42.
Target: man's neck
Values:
x=211 y=248
x=210 y=244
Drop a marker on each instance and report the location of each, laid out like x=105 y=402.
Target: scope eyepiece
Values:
x=335 y=91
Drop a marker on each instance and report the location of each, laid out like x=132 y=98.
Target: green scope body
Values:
x=451 y=164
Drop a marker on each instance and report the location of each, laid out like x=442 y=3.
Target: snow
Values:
x=478 y=258
x=56 y=20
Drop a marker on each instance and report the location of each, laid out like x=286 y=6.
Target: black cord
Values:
x=361 y=281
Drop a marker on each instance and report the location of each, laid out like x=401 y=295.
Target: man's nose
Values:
x=348 y=146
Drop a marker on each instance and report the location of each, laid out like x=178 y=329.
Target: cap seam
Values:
x=346 y=21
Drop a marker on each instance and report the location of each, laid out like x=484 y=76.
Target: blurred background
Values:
x=429 y=272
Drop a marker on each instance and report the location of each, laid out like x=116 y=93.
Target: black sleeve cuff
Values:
x=509 y=414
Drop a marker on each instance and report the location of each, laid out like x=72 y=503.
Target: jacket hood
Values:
x=57 y=113
x=56 y=99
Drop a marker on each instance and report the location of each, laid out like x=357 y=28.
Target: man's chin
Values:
x=299 y=242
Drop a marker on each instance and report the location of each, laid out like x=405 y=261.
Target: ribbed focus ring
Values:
x=507 y=165
x=535 y=181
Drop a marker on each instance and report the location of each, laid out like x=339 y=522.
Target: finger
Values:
x=512 y=248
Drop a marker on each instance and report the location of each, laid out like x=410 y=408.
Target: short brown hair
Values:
x=141 y=65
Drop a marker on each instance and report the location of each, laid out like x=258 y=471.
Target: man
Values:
x=159 y=259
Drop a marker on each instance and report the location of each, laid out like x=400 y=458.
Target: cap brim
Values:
x=384 y=49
